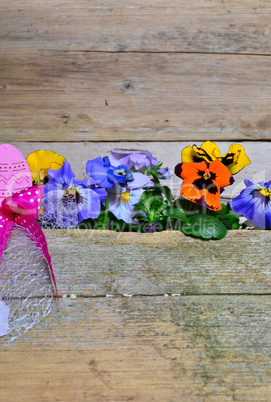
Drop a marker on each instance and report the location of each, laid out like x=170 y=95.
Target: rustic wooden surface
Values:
x=156 y=317
x=150 y=317
x=124 y=25
x=50 y=95
x=191 y=348
x=100 y=263
x=122 y=71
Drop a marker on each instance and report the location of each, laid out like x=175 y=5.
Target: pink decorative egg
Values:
x=14 y=171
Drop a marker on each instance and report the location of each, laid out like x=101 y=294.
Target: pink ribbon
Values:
x=22 y=208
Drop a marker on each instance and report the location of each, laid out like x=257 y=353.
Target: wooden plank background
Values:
x=142 y=317
x=160 y=318
x=134 y=71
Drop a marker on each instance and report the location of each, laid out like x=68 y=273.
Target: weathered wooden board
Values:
x=81 y=96
x=197 y=327
x=94 y=263
x=124 y=25
x=192 y=348
x=169 y=153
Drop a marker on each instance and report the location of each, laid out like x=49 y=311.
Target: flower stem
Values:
x=105 y=212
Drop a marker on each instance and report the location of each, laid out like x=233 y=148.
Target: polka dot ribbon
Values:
x=22 y=208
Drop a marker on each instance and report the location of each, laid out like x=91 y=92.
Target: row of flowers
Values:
x=124 y=192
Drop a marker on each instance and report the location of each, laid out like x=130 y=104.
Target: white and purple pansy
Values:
x=123 y=199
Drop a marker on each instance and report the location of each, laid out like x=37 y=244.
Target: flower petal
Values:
x=223 y=176
x=63 y=176
x=211 y=149
x=140 y=180
x=121 y=209
x=40 y=161
x=190 y=170
x=89 y=205
x=136 y=159
x=254 y=204
x=206 y=152
x=95 y=168
x=101 y=192
x=236 y=159
x=202 y=182
x=188 y=154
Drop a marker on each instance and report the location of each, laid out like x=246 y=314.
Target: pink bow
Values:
x=22 y=208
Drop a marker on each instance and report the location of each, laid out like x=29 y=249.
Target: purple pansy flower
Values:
x=122 y=199
x=64 y=195
x=106 y=175
x=254 y=202
x=135 y=159
x=163 y=173
x=139 y=161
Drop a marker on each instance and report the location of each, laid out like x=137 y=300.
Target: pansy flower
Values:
x=40 y=161
x=136 y=159
x=254 y=202
x=163 y=173
x=202 y=182
x=65 y=196
x=235 y=160
x=122 y=199
x=140 y=161
x=106 y=175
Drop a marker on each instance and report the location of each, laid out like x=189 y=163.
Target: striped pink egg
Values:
x=14 y=171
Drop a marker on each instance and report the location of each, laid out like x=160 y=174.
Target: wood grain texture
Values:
x=153 y=26
x=155 y=316
x=192 y=348
x=60 y=96
x=94 y=263
x=168 y=152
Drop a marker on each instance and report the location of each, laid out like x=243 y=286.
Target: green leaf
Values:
x=167 y=193
x=176 y=213
x=228 y=217
x=146 y=201
x=205 y=226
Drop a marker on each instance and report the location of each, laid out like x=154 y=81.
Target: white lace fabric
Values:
x=60 y=213
x=25 y=283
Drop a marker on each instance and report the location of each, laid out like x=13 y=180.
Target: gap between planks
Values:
x=77 y=297
x=161 y=52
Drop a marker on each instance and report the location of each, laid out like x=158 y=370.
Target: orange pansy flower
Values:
x=202 y=182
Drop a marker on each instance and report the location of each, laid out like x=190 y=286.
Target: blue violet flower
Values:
x=106 y=175
x=69 y=201
x=254 y=202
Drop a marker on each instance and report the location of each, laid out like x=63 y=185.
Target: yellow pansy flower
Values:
x=235 y=160
x=40 y=161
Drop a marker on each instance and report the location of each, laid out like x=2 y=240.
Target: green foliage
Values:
x=175 y=213
x=228 y=217
x=157 y=211
x=204 y=226
x=154 y=174
x=156 y=206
